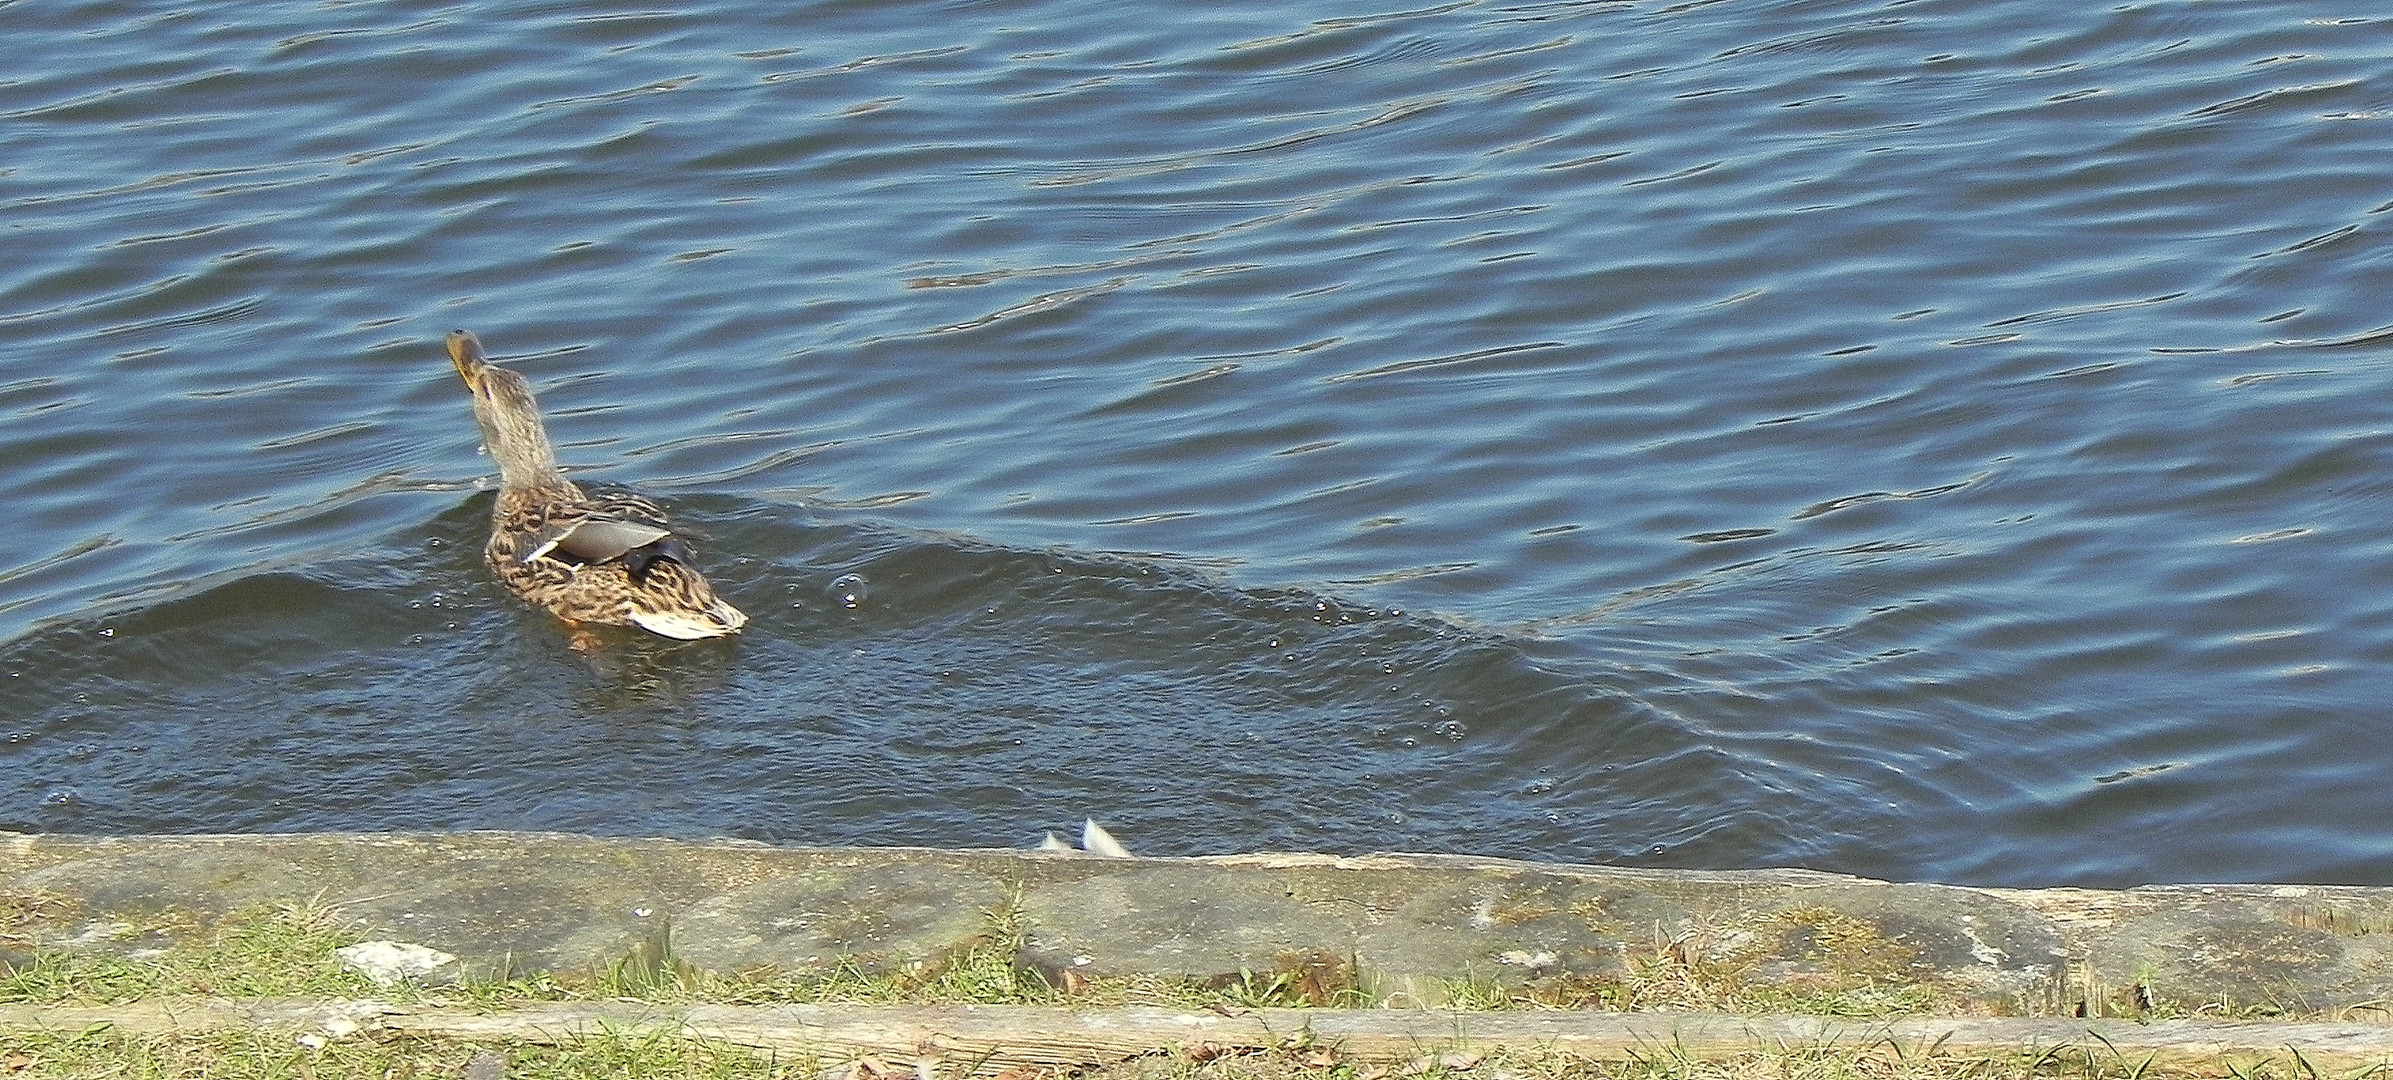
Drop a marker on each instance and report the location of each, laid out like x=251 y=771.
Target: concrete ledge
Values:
x=1398 y=929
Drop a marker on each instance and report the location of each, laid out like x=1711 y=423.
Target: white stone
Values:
x=390 y=963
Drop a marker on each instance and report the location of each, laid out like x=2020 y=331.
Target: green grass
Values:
x=287 y=951
x=1819 y=962
x=279 y=951
x=260 y=1056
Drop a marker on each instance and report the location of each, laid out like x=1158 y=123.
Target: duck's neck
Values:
x=512 y=431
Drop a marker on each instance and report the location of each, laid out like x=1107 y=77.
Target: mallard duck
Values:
x=609 y=558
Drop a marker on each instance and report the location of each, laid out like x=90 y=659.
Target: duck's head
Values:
x=465 y=351
x=481 y=376
x=509 y=415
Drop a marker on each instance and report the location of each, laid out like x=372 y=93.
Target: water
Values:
x=1927 y=439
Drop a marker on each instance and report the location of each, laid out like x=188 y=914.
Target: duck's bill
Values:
x=465 y=351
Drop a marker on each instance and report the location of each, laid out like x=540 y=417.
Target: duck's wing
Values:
x=612 y=526
x=593 y=538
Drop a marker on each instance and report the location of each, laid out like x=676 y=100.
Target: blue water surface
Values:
x=1928 y=439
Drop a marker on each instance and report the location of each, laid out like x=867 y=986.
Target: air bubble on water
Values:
x=107 y=631
x=59 y=797
x=1272 y=644
x=849 y=590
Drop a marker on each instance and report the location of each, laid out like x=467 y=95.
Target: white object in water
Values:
x=1096 y=841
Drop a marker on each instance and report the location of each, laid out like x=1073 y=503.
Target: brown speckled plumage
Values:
x=608 y=558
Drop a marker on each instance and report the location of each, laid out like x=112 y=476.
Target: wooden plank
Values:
x=962 y=1038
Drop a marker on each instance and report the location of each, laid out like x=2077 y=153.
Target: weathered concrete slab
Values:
x=1400 y=928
